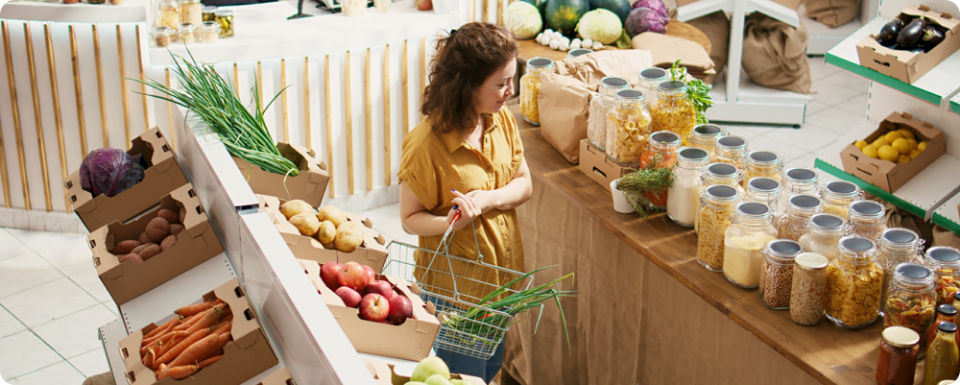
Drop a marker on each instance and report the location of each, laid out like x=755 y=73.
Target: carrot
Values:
x=175 y=351
x=181 y=372
x=188 y=322
x=224 y=327
x=209 y=319
x=223 y=340
x=159 y=329
x=197 y=351
x=170 y=344
x=149 y=358
x=167 y=327
x=209 y=361
x=194 y=309
x=161 y=372
x=159 y=342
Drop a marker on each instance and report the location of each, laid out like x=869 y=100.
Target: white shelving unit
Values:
x=948 y=214
x=822 y=37
x=129 y=11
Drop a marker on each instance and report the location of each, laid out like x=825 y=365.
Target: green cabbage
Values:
x=600 y=25
x=522 y=19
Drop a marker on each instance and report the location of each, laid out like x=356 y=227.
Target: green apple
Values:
x=414 y=383
x=428 y=367
x=460 y=382
x=437 y=379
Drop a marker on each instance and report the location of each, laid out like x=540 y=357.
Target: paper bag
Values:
x=777 y=54
x=833 y=13
x=590 y=68
x=668 y=49
x=717 y=28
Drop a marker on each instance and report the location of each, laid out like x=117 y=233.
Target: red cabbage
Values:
x=110 y=171
x=656 y=5
x=644 y=19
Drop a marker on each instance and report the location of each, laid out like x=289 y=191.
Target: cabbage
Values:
x=600 y=25
x=523 y=19
x=646 y=20
x=110 y=171
x=656 y=5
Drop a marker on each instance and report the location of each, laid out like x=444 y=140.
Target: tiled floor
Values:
x=52 y=302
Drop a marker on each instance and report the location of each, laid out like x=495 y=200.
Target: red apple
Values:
x=353 y=276
x=373 y=307
x=371 y=276
x=424 y=5
x=349 y=296
x=328 y=274
x=400 y=309
x=380 y=287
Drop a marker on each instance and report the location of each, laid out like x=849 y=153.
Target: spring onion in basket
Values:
x=214 y=100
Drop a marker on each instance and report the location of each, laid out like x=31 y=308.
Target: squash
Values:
x=563 y=15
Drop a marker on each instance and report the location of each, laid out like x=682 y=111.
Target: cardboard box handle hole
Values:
x=165 y=148
x=70 y=184
x=191 y=193
x=597 y=170
x=885 y=64
x=238 y=292
x=131 y=378
x=865 y=172
x=73 y=199
x=93 y=244
x=249 y=314
x=96 y=261
x=124 y=352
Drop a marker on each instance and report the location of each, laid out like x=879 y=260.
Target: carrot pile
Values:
x=189 y=342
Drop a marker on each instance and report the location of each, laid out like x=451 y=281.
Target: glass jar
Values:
x=628 y=128
x=648 y=81
x=776 y=272
x=751 y=229
x=578 y=52
x=705 y=136
x=673 y=110
x=897 y=359
x=187 y=33
x=866 y=219
x=823 y=233
x=209 y=32
x=793 y=223
x=600 y=105
x=717 y=174
x=945 y=313
x=911 y=301
x=191 y=11
x=225 y=18
x=717 y=205
x=530 y=89
x=168 y=14
x=682 y=207
x=838 y=195
x=730 y=150
x=800 y=180
x=161 y=36
x=764 y=190
x=854 y=279
x=942 y=355
x=662 y=154
x=209 y=13
x=762 y=163
x=956 y=296
x=945 y=263
x=808 y=292
x=898 y=246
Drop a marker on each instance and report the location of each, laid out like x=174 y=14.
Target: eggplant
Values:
x=931 y=37
x=910 y=35
x=889 y=32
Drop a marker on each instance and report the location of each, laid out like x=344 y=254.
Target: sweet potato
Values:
x=150 y=251
x=131 y=257
x=139 y=249
x=295 y=207
x=168 y=242
x=125 y=247
x=349 y=237
x=332 y=214
x=306 y=224
x=157 y=229
x=175 y=229
x=143 y=238
x=169 y=215
x=327 y=232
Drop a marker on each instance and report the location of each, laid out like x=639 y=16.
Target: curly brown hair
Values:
x=464 y=60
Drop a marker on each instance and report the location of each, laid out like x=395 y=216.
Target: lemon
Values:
x=870 y=150
x=906 y=133
x=913 y=143
x=922 y=146
x=901 y=145
x=880 y=142
x=892 y=136
x=888 y=153
x=903 y=159
x=914 y=153
x=860 y=144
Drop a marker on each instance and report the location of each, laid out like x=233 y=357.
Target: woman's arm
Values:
x=416 y=219
x=514 y=194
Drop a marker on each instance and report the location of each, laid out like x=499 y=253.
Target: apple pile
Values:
x=379 y=302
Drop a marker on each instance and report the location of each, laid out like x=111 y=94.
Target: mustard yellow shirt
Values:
x=433 y=163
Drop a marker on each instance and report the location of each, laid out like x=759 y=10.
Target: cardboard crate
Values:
x=792 y=4
x=598 y=166
x=128 y=280
x=163 y=175
x=887 y=175
x=379 y=370
x=905 y=65
x=308 y=186
x=248 y=355
x=386 y=374
x=280 y=377
x=372 y=252
x=411 y=340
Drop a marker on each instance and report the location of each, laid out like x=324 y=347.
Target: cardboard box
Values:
x=309 y=186
x=792 y=4
x=372 y=252
x=887 y=175
x=400 y=377
x=411 y=340
x=163 y=175
x=248 y=355
x=128 y=280
x=379 y=370
x=280 y=377
x=905 y=65
x=598 y=166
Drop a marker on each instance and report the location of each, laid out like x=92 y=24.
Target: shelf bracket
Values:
x=774 y=10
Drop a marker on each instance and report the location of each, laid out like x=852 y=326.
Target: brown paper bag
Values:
x=775 y=54
x=590 y=68
x=667 y=49
x=717 y=28
x=833 y=13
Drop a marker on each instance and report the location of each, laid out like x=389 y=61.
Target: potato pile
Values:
x=329 y=225
x=898 y=146
x=160 y=235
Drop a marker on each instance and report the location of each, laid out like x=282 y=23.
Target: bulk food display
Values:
x=808 y=290
x=764 y=190
x=717 y=174
x=776 y=273
x=684 y=192
x=765 y=164
x=792 y=224
x=799 y=180
x=648 y=82
x=823 y=233
x=730 y=150
x=530 y=88
x=911 y=300
x=628 y=128
x=673 y=111
x=838 y=195
x=750 y=229
x=704 y=136
x=866 y=219
x=854 y=281
x=716 y=208
x=600 y=104
x=895 y=247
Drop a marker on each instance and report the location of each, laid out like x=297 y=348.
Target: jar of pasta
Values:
x=808 y=291
x=945 y=263
x=191 y=11
x=854 y=280
x=578 y=52
x=168 y=14
x=682 y=206
x=776 y=272
x=750 y=228
x=188 y=33
x=800 y=180
x=866 y=219
x=717 y=174
x=823 y=233
x=764 y=190
x=530 y=88
x=762 y=163
x=209 y=13
x=705 y=136
x=628 y=128
x=600 y=105
x=731 y=150
x=911 y=302
x=648 y=82
x=673 y=110
x=793 y=223
x=898 y=246
x=897 y=358
x=716 y=208
x=838 y=195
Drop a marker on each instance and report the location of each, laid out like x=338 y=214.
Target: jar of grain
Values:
x=628 y=128
x=823 y=234
x=808 y=291
x=191 y=11
x=717 y=174
x=188 y=33
x=161 y=36
x=762 y=163
x=209 y=32
x=600 y=105
x=898 y=246
x=705 y=136
x=854 y=281
x=716 y=209
x=730 y=150
x=912 y=301
x=793 y=223
x=682 y=205
x=168 y=14
x=530 y=88
x=866 y=219
x=673 y=111
x=799 y=180
x=648 y=82
x=776 y=273
x=764 y=190
x=750 y=229
x=945 y=263
x=838 y=195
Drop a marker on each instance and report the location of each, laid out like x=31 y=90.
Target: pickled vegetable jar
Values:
x=225 y=18
x=776 y=273
x=897 y=359
x=854 y=281
x=600 y=105
x=716 y=209
x=867 y=219
x=764 y=190
x=800 y=180
x=673 y=110
x=530 y=88
x=823 y=234
x=942 y=355
x=717 y=174
x=578 y=52
x=168 y=14
x=682 y=206
x=838 y=195
x=628 y=128
x=945 y=263
x=730 y=150
x=662 y=154
x=648 y=82
x=209 y=13
x=808 y=292
x=793 y=223
x=705 y=136
x=911 y=301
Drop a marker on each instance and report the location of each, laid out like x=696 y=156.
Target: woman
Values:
x=467 y=156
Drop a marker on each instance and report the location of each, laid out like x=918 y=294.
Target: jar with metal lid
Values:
x=628 y=128
x=161 y=36
x=762 y=163
x=717 y=174
x=600 y=105
x=838 y=195
x=683 y=193
x=911 y=301
x=187 y=33
x=799 y=180
x=808 y=292
x=705 y=136
x=731 y=150
x=191 y=11
x=168 y=14
x=209 y=32
x=776 y=272
x=716 y=209
x=897 y=359
x=943 y=356
x=209 y=13
x=793 y=223
x=945 y=313
x=648 y=81
x=578 y=52
x=854 y=279
x=750 y=229
x=956 y=296
x=662 y=154
x=866 y=219
x=225 y=18
x=673 y=110
x=764 y=190
x=898 y=246
x=530 y=88
x=823 y=233
x=945 y=263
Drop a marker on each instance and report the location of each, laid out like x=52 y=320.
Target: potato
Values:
x=157 y=229
x=131 y=257
x=332 y=214
x=168 y=242
x=169 y=215
x=295 y=207
x=327 y=233
x=150 y=251
x=143 y=239
x=349 y=237
x=175 y=229
x=139 y=249
x=125 y=247
x=306 y=224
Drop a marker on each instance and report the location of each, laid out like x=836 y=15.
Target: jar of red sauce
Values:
x=899 y=348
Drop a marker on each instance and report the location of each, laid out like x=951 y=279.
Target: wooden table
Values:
x=646 y=312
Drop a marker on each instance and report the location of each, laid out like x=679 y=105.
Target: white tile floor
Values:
x=52 y=302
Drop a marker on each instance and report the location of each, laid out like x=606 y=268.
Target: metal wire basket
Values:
x=456 y=286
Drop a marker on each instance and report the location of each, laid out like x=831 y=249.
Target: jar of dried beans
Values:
x=838 y=195
x=600 y=105
x=764 y=190
x=800 y=180
x=911 y=301
x=945 y=263
x=898 y=246
x=628 y=128
x=716 y=209
x=530 y=88
x=866 y=219
x=750 y=229
x=762 y=163
x=731 y=150
x=776 y=273
x=854 y=281
x=793 y=223
x=823 y=234
x=673 y=110
x=808 y=292
x=704 y=136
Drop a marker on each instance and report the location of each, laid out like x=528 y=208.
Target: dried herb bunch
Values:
x=638 y=184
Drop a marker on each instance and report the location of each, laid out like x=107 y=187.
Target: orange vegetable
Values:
x=175 y=351
x=160 y=330
x=209 y=318
x=223 y=327
x=161 y=372
x=194 y=309
x=223 y=340
x=149 y=358
x=209 y=361
x=171 y=343
x=197 y=350
x=181 y=372
x=188 y=322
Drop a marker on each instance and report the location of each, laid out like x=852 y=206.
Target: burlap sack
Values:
x=897 y=217
x=775 y=54
x=833 y=13
x=717 y=28
x=944 y=237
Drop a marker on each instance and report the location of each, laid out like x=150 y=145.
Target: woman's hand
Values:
x=469 y=209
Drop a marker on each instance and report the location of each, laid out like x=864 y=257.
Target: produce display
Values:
x=563 y=15
x=110 y=171
x=357 y=285
x=600 y=25
x=329 y=225
x=159 y=236
x=189 y=342
x=911 y=34
x=628 y=129
x=433 y=371
x=898 y=146
x=523 y=20
x=642 y=19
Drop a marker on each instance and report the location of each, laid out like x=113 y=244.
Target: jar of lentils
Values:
x=823 y=234
x=730 y=150
x=793 y=223
x=776 y=273
x=854 y=281
x=808 y=291
x=762 y=163
x=867 y=219
x=600 y=105
x=838 y=195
